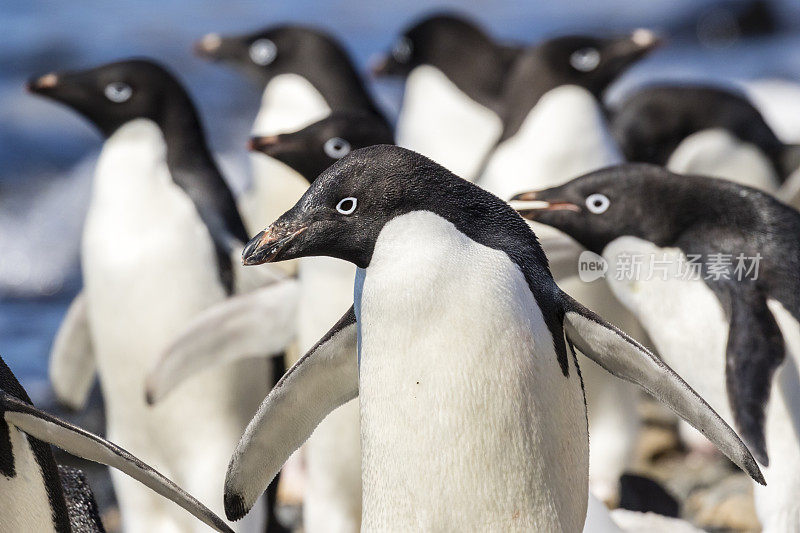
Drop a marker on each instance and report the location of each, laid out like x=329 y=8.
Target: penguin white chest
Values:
x=563 y=136
x=144 y=248
x=26 y=507
x=289 y=102
x=678 y=310
x=441 y=122
x=467 y=419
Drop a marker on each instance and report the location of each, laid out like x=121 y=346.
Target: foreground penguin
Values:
x=158 y=199
x=37 y=496
x=306 y=74
x=710 y=269
x=454 y=78
x=710 y=131
x=472 y=412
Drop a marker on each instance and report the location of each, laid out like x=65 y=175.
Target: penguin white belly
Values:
x=25 y=505
x=683 y=317
x=290 y=102
x=564 y=136
x=777 y=504
x=690 y=330
x=332 y=500
x=441 y=122
x=718 y=154
x=149 y=268
x=467 y=421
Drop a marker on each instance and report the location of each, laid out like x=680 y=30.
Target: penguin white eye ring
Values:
x=263 y=52
x=346 y=206
x=597 y=203
x=118 y=92
x=585 y=59
x=402 y=50
x=336 y=147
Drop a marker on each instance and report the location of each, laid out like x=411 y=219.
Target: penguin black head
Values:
x=591 y=62
x=276 y=50
x=638 y=200
x=446 y=42
x=113 y=94
x=314 y=148
x=346 y=207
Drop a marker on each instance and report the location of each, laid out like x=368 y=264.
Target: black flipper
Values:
x=79 y=442
x=84 y=516
x=755 y=351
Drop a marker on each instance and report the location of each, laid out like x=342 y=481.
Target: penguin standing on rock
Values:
x=710 y=267
x=454 y=80
x=468 y=419
x=37 y=496
x=158 y=199
x=306 y=74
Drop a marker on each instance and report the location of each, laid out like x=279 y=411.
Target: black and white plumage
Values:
x=39 y=496
x=425 y=242
x=733 y=336
x=705 y=130
x=156 y=185
x=455 y=75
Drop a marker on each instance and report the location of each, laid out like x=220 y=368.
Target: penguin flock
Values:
x=394 y=327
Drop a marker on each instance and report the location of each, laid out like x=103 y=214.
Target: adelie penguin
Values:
x=306 y=74
x=472 y=411
x=716 y=288
x=332 y=495
x=37 y=496
x=555 y=129
x=157 y=200
x=703 y=130
x=454 y=78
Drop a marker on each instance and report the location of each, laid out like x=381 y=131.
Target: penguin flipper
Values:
x=322 y=380
x=755 y=351
x=627 y=359
x=256 y=324
x=81 y=443
x=72 y=366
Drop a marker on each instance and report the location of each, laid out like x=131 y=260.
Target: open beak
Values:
x=265 y=247
x=527 y=205
x=42 y=84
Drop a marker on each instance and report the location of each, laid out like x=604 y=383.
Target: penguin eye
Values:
x=118 y=92
x=263 y=52
x=585 y=59
x=401 y=52
x=336 y=147
x=597 y=203
x=346 y=206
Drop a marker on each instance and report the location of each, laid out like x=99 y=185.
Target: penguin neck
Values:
x=184 y=136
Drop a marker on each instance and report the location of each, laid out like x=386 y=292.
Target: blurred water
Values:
x=47 y=153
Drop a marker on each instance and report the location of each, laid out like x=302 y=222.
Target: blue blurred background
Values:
x=47 y=153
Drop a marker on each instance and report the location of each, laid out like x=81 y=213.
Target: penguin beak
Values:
x=379 y=66
x=269 y=144
x=267 y=245
x=42 y=84
x=212 y=46
x=639 y=43
x=528 y=206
